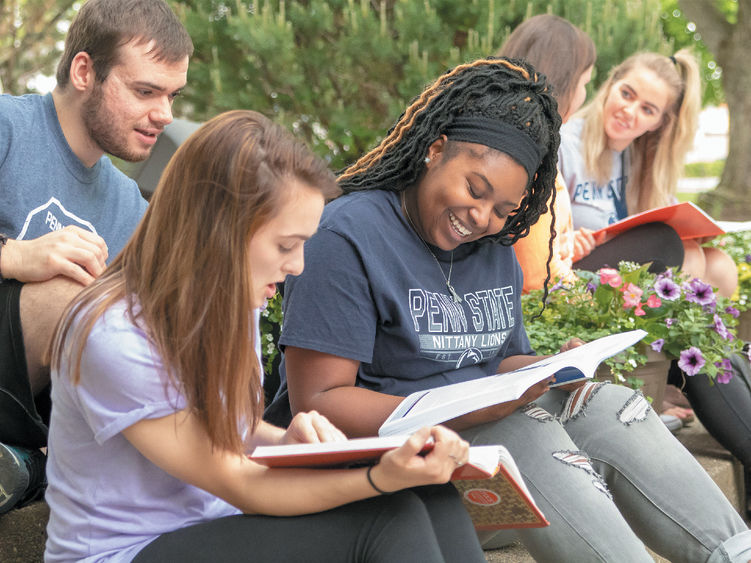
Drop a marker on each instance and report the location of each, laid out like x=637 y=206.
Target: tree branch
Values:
x=710 y=22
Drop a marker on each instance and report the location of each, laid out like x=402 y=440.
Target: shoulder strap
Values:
x=619 y=196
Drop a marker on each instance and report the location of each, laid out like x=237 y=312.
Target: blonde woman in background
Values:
x=624 y=153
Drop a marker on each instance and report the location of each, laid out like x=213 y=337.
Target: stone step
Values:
x=724 y=469
x=22 y=532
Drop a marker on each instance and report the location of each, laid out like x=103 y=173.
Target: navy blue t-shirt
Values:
x=372 y=292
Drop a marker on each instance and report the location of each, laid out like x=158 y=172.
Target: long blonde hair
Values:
x=656 y=157
x=185 y=274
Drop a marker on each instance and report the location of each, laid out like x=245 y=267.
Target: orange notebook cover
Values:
x=492 y=489
x=688 y=220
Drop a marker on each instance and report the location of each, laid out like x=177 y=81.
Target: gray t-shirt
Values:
x=45 y=187
x=372 y=292
x=593 y=205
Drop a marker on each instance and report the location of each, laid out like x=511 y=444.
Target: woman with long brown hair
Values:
x=157 y=390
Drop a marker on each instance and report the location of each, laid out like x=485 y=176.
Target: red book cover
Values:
x=492 y=489
x=328 y=454
x=688 y=220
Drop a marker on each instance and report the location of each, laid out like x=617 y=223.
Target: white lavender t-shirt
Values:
x=108 y=501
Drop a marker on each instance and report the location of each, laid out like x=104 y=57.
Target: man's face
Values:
x=126 y=112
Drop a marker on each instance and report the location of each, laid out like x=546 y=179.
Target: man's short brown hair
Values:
x=103 y=26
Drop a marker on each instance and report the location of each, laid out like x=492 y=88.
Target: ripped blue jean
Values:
x=608 y=475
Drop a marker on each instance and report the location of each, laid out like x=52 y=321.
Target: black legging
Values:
x=654 y=242
x=723 y=408
x=422 y=524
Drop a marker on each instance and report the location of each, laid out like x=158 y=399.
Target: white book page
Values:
x=439 y=404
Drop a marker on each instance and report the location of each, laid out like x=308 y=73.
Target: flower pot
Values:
x=654 y=374
x=744 y=326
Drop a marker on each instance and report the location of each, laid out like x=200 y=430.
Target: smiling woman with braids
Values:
x=411 y=283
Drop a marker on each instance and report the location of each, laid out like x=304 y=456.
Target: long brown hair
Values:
x=656 y=156
x=185 y=273
x=556 y=48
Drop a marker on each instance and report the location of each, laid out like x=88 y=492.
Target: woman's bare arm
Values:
x=326 y=383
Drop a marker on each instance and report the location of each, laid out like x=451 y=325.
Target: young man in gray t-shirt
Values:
x=65 y=210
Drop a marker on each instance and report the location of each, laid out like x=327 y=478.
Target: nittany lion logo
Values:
x=469 y=357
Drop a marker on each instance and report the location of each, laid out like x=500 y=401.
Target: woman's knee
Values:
x=721 y=271
x=694 y=261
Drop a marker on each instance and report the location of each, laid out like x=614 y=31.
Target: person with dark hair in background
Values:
x=566 y=56
x=426 y=291
x=65 y=210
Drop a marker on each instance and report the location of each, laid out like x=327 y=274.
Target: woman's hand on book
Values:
x=404 y=467
x=572 y=343
x=311 y=427
x=534 y=392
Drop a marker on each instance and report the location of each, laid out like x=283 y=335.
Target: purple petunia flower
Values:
x=691 y=361
x=658 y=344
x=732 y=311
x=591 y=287
x=699 y=292
x=720 y=327
x=748 y=258
x=667 y=289
x=727 y=371
x=669 y=322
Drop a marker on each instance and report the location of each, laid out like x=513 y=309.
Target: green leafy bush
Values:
x=683 y=317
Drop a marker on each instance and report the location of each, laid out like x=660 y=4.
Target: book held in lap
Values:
x=490 y=484
x=439 y=404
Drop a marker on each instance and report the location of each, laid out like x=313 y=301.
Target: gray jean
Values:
x=606 y=472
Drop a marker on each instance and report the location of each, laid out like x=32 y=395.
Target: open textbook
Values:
x=686 y=218
x=492 y=488
x=433 y=406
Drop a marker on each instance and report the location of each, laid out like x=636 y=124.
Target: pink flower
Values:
x=691 y=361
x=726 y=373
x=667 y=288
x=611 y=277
x=638 y=311
x=632 y=296
x=653 y=302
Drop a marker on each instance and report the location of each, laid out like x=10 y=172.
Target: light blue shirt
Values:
x=45 y=187
x=593 y=204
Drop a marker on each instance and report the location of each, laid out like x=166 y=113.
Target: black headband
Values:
x=500 y=136
x=672 y=58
